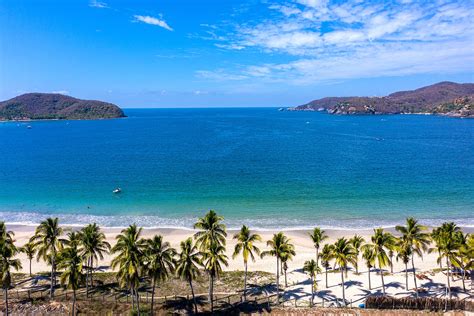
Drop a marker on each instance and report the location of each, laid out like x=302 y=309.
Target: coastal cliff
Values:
x=444 y=98
x=40 y=106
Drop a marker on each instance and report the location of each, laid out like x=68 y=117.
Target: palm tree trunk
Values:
x=414 y=274
x=391 y=264
x=211 y=294
x=5 y=290
x=326 y=276
x=51 y=289
x=138 y=302
x=30 y=268
x=463 y=279
x=194 y=298
x=92 y=272
x=370 y=285
x=447 y=274
x=286 y=281
x=87 y=277
x=278 y=282
x=342 y=284
x=132 y=292
x=312 y=291
x=406 y=276
x=317 y=255
x=383 y=282
x=245 y=281
x=152 y=296
x=73 y=302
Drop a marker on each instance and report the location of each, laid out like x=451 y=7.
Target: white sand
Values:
x=298 y=283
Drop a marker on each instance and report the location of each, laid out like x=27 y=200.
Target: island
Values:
x=443 y=98
x=52 y=106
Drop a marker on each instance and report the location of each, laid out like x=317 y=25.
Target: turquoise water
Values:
x=262 y=167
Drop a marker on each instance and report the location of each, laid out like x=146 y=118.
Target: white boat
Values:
x=118 y=190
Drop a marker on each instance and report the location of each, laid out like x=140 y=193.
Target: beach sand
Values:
x=298 y=283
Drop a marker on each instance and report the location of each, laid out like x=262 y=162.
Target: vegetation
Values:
x=343 y=253
x=8 y=251
x=317 y=236
x=311 y=267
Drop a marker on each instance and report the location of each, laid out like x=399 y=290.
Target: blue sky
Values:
x=183 y=53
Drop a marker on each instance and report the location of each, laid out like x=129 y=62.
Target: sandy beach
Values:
x=298 y=283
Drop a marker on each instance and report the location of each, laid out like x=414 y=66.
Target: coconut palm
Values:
x=94 y=246
x=463 y=257
x=210 y=230
x=279 y=245
x=312 y=269
x=70 y=261
x=187 y=265
x=417 y=239
x=129 y=249
x=368 y=255
x=344 y=254
x=326 y=256
x=357 y=242
x=404 y=253
x=285 y=258
x=29 y=250
x=317 y=236
x=381 y=242
x=246 y=245
x=159 y=262
x=47 y=241
x=8 y=251
x=213 y=258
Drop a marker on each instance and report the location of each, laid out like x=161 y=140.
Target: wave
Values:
x=260 y=224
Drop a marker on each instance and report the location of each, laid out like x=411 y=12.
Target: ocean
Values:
x=266 y=168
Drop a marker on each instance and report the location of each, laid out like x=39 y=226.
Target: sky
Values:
x=226 y=53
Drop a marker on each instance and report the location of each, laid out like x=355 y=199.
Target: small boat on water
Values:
x=29 y=127
x=117 y=190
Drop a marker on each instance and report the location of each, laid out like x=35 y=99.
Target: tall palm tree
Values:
x=187 y=265
x=381 y=243
x=70 y=261
x=213 y=258
x=435 y=236
x=129 y=249
x=326 y=256
x=317 y=236
x=463 y=256
x=279 y=245
x=210 y=229
x=418 y=240
x=368 y=255
x=159 y=262
x=29 y=250
x=47 y=241
x=343 y=253
x=311 y=267
x=357 y=242
x=94 y=246
x=285 y=257
x=246 y=245
x=404 y=253
x=448 y=244
x=8 y=251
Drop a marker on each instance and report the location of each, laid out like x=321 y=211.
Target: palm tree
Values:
x=417 y=239
x=369 y=256
x=317 y=236
x=435 y=236
x=94 y=246
x=213 y=258
x=448 y=244
x=246 y=245
x=187 y=265
x=285 y=257
x=8 y=251
x=129 y=249
x=47 y=241
x=29 y=250
x=326 y=256
x=279 y=245
x=343 y=253
x=404 y=253
x=357 y=242
x=381 y=243
x=159 y=262
x=311 y=267
x=70 y=261
x=210 y=230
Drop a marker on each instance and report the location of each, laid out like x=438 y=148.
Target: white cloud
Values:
x=61 y=92
x=330 y=40
x=152 y=21
x=98 y=4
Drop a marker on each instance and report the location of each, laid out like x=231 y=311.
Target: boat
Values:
x=117 y=190
x=28 y=127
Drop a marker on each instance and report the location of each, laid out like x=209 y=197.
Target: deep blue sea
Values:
x=259 y=166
